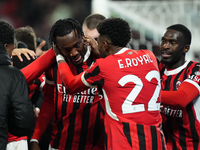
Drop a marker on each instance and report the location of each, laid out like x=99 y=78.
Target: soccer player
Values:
x=77 y=118
x=180 y=95
x=130 y=82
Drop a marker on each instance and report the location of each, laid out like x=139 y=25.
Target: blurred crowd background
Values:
x=41 y=14
x=148 y=18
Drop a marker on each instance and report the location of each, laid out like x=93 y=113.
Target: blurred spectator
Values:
x=26 y=35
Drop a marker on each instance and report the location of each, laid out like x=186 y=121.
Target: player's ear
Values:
x=186 y=49
x=105 y=45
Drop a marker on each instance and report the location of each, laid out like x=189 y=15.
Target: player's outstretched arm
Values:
x=40 y=65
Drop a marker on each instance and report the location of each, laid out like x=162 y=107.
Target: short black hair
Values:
x=116 y=29
x=184 y=30
x=63 y=27
x=21 y=64
x=6 y=33
x=93 y=20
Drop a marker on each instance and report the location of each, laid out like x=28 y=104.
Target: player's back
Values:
x=131 y=88
x=134 y=77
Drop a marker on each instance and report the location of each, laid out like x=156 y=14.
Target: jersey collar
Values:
x=87 y=54
x=122 y=50
x=175 y=71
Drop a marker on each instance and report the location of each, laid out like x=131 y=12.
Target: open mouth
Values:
x=76 y=60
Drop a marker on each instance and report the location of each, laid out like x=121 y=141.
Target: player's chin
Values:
x=165 y=60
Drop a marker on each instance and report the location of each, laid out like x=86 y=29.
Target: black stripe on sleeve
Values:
x=186 y=70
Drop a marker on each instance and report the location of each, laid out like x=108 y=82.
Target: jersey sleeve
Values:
x=92 y=76
x=73 y=84
x=193 y=75
x=40 y=65
x=186 y=91
x=46 y=112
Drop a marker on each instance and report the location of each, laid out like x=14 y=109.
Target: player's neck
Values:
x=116 y=49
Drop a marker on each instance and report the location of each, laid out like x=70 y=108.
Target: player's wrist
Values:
x=34 y=140
x=59 y=57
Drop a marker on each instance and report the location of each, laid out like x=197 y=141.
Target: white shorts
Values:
x=17 y=145
x=50 y=148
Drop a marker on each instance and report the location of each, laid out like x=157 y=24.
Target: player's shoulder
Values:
x=192 y=64
x=146 y=51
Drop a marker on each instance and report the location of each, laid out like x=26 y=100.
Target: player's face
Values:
x=72 y=47
x=172 y=49
x=92 y=33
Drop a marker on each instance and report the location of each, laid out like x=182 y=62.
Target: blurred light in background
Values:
x=148 y=18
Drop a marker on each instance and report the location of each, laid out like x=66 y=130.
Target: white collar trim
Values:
x=87 y=54
x=122 y=50
x=177 y=70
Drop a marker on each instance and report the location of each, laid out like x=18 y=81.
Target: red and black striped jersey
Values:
x=78 y=118
x=131 y=89
x=181 y=125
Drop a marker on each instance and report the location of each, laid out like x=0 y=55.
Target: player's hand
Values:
x=93 y=43
x=56 y=49
x=39 y=50
x=34 y=146
x=18 y=51
x=36 y=112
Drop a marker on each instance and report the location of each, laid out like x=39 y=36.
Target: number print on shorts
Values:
x=127 y=106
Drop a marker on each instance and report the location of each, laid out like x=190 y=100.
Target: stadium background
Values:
x=148 y=18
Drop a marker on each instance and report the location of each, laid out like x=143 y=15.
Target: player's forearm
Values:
x=37 y=67
x=72 y=83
